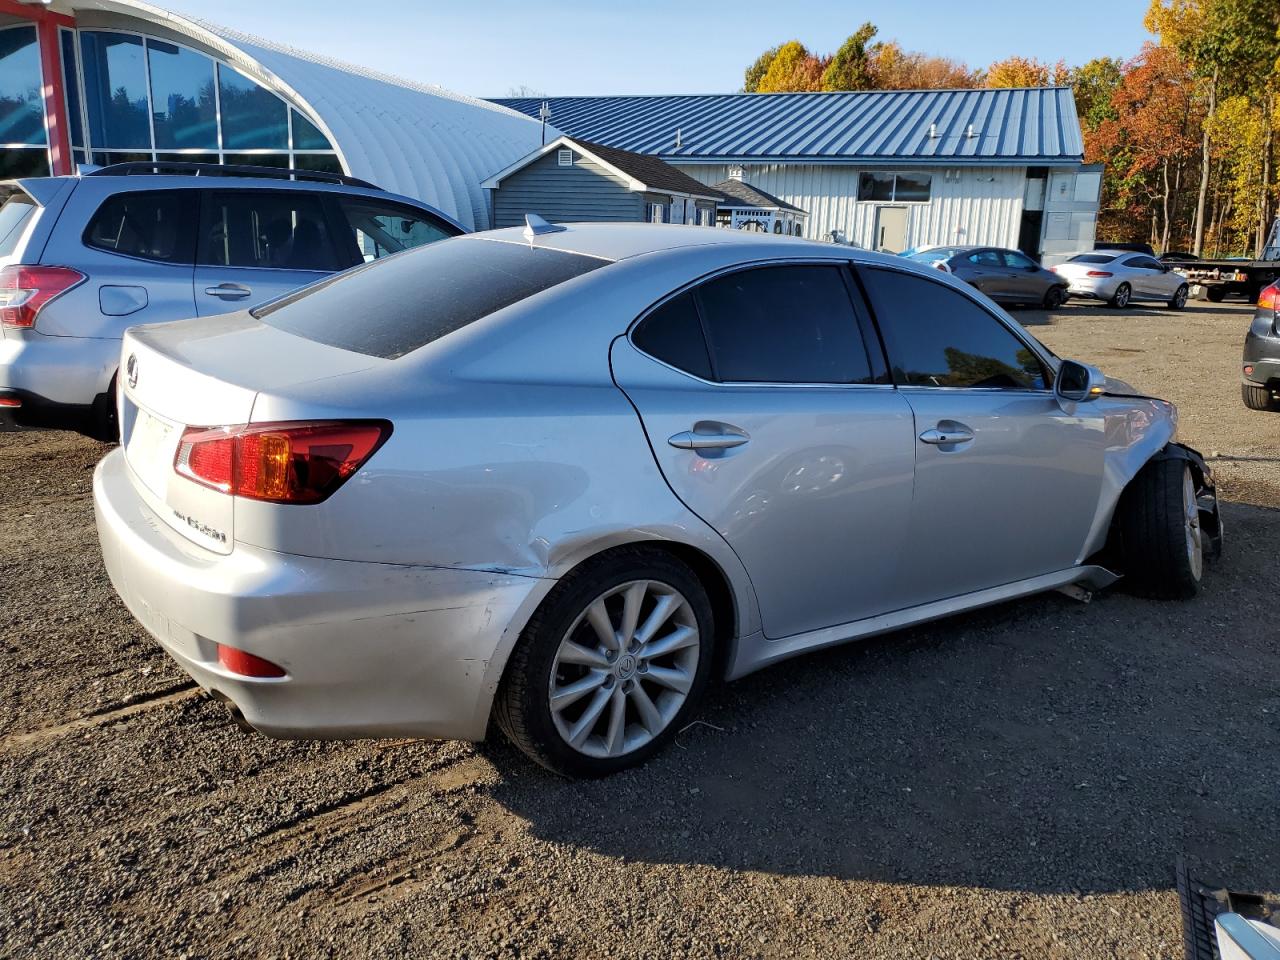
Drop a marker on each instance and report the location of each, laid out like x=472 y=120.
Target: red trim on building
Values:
x=55 y=109
x=36 y=13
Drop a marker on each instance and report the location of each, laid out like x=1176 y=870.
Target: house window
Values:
x=565 y=158
x=895 y=187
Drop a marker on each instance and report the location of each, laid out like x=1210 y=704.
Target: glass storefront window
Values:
x=320 y=162
x=306 y=135
x=252 y=117
x=67 y=42
x=21 y=100
x=24 y=162
x=182 y=97
x=115 y=87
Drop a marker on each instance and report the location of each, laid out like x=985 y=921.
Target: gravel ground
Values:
x=1013 y=783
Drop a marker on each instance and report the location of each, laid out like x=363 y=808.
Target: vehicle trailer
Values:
x=1216 y=279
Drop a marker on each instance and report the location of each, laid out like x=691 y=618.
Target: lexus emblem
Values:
x=131 y=370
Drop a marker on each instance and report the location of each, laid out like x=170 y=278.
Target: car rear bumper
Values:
x=369 y=649
x=1103 y=289
x=60 y=371
x=1261 y=363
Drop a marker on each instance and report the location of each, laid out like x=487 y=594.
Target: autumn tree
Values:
x=893 y=68
x=755 y=73
x=1017 y=71
x=1093 y=84
x=793 y=68
x=850 y=68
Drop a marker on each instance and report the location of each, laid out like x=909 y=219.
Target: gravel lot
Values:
x=1012 y=783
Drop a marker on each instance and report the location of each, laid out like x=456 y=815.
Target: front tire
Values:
x=1161 y=544
x=1258 y=398
x=610 y=665
x=1120 y=299
x=1180 y=298
x=1055 y=297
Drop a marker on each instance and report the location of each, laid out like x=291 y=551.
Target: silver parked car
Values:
x=564 y=478
x=82 y=258
x=1119 y=278
x=1006 y=276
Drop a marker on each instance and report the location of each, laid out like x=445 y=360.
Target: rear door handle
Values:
x=228 y=291
x=707 y=441
x=952 y=435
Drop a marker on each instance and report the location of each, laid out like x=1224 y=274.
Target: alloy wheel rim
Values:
x=1122 y=296
x=624 y=668
x=1180 y=298
x=1191 y=516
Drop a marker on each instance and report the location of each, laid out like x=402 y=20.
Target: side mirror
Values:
x=1078 y=382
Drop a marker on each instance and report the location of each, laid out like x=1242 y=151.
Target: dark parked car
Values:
x=1127 y=247
x=1260 y=383
x=1006 y=276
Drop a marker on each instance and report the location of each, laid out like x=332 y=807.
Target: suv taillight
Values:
x=279 y=462
x=1269 y=298
x=25 y=291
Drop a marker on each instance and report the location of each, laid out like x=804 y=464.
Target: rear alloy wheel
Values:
x=1122 y=296
x=1160 y=539
x=1258 y=398
x=1180 y=298
x=609 y=666
x=1055 y=297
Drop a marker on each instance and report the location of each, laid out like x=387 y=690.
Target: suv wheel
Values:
x=1161 y=544
x=1258 y=398
x=610 y=665
x=104 y=418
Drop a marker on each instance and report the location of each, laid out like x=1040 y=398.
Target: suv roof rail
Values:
x=143 y=167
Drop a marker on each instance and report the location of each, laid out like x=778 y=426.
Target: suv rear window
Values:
x=394 y=306
x=151 y=225
x=14 y=216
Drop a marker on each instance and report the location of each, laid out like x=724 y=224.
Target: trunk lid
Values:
x=205 y=373
x=1078 y=270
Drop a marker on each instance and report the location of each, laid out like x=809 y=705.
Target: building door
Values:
x=891 y=229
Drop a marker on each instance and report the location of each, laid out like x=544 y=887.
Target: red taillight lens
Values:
x=25 y=291
x=1098 y=273
x=1269 y=298
x=246 y=664
x=279 y=462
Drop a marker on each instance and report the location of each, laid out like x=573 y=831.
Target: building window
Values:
x=655 y=212
x=24 y=141
x=565 y=158
x=184 y=108
x=895 y=187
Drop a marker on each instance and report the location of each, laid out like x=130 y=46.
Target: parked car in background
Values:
x=84 y=257
x=1120 y=278
x=533 y=476
x=1006 y=276
x=1260 y=387
x=1127 y=248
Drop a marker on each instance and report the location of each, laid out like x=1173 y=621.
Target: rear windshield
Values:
x=394 y=306
x=1092 y=258
x=14 y=216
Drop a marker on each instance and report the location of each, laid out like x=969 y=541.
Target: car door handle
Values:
x=228 y=291
x=707 y=441
x=936 y=437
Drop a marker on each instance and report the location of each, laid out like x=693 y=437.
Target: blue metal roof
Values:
x=1000 y=126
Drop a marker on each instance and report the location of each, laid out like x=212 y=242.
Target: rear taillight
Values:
x=1269 y=298
x=25 y=291
x=1098 y=273
x=247 y=664
x=279 y=462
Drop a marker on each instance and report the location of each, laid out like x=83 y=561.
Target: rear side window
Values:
x=673 y=334
x=260 y=228
x=1017 y=260
x=381 y=229
x=15 y=214
x=937 y=337
x=151 y=225
x=783 y=324
x=395 y=306
x=986 y=258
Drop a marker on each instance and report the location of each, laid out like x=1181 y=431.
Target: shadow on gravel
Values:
x=1043 y=745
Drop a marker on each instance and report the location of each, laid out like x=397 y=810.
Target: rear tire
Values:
x=1055 y=297
x=1180 y=298
x=1161 y=546
x=1215 y=294
x=1258 y=398
x=1120 y=299
x=104 y=419
x=561 y=649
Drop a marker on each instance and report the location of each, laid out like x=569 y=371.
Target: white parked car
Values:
x=1119 y=278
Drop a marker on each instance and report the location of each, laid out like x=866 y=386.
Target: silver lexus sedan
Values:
x=561 y=479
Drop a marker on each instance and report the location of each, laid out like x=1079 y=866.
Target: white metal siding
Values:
x=983 y=206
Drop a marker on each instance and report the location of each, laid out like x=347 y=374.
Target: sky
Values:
x=488 y=48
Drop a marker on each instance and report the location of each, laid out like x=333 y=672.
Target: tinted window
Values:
x=115 y=88
x=21 y=97
x=252 y=117
x=380 y=229
x=257 y=228
x=875 y=186
x=306 y=135
x=673 y=334
x=1017 y=260
x=1145 y=263
x=937 y=337
x=147 y=225
x=182 y=97
x=986 y=258
x=1092 y=258
x=14 y=216
x=389 y=308
x=783 y=325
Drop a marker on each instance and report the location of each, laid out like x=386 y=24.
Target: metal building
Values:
x=103 y=81
x=883 y=169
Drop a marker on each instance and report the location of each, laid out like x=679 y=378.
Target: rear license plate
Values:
x=150 y=450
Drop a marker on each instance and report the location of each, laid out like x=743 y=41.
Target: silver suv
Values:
x=82 y=258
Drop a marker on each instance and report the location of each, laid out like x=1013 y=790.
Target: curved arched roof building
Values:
x=103 y=81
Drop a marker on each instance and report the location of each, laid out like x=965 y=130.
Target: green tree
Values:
x=755 y=73
x=1094 y=84
x=850 y=68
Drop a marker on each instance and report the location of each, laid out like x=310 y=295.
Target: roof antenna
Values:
x=535 y=226
x=678 y=144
